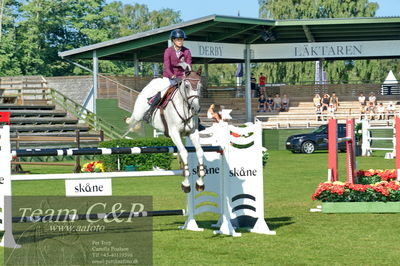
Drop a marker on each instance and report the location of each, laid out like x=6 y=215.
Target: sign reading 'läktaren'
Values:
x=289 y=51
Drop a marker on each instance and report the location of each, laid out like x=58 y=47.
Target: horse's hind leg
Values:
x=137 y=115
x=176 y=138
x=195 y=138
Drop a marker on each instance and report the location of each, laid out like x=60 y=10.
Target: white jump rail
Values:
x=366 y=149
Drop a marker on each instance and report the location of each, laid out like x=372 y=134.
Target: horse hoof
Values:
x=186 y=189
x=199 y=188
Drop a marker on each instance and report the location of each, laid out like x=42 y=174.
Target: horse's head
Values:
x=192 y=85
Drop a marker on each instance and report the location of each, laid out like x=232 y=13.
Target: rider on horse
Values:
x=173 y=56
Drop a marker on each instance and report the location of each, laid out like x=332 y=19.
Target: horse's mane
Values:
x=185 y=65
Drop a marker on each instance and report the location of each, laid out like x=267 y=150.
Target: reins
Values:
x=186 y=100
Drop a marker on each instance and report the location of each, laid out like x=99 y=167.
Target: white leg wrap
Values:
x=200 y=181
x=201 y=171
x=186 y=171
x=185 y=182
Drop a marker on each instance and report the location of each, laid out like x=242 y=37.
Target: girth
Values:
x=163 y=104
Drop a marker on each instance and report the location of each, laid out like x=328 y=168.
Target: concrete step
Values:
x=11 y=107
x=49 y=128
x=42 y=121
x=38 y=113
x=89 y=133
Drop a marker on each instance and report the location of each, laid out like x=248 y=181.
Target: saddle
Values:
x=167 y=97
x=158 y=102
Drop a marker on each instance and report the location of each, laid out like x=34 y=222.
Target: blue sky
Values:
x=248 y=8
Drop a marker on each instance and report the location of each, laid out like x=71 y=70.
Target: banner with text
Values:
x=216 y=50
x=326 y=50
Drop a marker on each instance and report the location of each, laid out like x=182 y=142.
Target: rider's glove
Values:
x=177 y=80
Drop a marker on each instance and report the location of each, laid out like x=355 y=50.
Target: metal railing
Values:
x=84 y=114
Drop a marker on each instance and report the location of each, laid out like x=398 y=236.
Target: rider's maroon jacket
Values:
x=171 y=61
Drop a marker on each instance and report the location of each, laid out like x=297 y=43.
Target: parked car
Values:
x=316 y=140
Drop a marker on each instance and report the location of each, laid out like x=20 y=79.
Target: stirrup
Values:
x=147 y=115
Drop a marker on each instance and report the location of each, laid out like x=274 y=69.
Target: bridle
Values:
x=187 y=99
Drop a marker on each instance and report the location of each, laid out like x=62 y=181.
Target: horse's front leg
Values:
x=195 y=138
x=176 y=138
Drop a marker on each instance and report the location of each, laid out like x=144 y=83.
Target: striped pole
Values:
x=106 y=151
x=397 y=129
x=95 y=216
x=350 y=145
x=332 y=150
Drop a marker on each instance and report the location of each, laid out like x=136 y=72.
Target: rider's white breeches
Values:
x=156 y=85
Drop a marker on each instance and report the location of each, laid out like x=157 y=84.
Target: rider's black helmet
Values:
x=178 y=33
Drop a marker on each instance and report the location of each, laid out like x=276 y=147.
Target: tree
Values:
x=337 y=71
x=9 y=64
x=35 y=31
x=2 y=4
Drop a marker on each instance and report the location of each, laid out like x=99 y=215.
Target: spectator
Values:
x=270 y=103
x=334 y=100
x=362 y=112
x=372 y=99
x=317 y=100
x=371 y=111
x=331 y=110
x=381 y=112
x=277 y=102
x=325 y=102
x=285 y=103
x=212 y=114
x=261 y=103
x=361 y=99
x=261 y=82
x=391 y=109
x=253 y=86
x=318 y=112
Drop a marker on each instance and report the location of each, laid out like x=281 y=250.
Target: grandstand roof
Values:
x=149 y=46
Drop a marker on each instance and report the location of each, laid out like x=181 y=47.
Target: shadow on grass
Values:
x=273 y=223
x=276 y=222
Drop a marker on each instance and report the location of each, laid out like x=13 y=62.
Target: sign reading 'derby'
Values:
x=88 y=187
x=216 y=50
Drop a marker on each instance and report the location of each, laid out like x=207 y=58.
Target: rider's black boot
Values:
x=153 y=102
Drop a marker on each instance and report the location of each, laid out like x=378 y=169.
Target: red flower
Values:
x=90 y=167
x=393 y=185
x=338 y=189
x=357 y=187
x=388 y=174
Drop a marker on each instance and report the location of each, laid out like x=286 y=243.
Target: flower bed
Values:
x=93 y=167
x=373 y=186
x=345 y=192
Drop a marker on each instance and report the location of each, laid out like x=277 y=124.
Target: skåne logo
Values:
x=242 y=172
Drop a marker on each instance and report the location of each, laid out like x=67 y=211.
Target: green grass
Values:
x=108 y=110
x=302 y=237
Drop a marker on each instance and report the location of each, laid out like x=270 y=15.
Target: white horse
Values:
x=180 y=118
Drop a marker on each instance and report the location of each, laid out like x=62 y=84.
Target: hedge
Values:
x=141 y=161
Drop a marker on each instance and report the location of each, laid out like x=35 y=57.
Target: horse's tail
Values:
x=133 y=125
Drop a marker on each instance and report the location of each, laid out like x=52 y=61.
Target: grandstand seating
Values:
x=301 y=112
x=34 y=115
